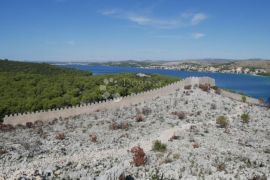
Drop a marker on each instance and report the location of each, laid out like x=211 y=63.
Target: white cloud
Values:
x=198 y=18
x=187 y=19
x=198 y=35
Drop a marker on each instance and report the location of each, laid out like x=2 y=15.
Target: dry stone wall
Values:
x=106 y=104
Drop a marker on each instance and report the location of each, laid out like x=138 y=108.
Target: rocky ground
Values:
x=101 y=145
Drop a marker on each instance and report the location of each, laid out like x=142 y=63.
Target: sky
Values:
x=100 y=30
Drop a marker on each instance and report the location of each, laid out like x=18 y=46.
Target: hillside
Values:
x=188 y=134
x=30 y=86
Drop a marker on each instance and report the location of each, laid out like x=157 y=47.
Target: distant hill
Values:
x=37 y=68
x=128 y=63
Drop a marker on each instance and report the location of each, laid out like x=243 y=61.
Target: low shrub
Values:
x=195 y=145
x=93 y=138
x=116 y=126
x=3 y=151
x=204 y=87
x=60 y=136
x=6 y=127
x=139 y=118
x=180 y=114
x=245 y=117
x=29 y=124
x=139 y=158
x=244 y=98
x=261 y=101
x=174 y=137
x=146 y=111
x=215 y=87
x=187 y=87
x=218 y=91
x=222 y=121
x=213 y=106
x=158 y=146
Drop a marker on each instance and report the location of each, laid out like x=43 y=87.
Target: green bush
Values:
x=158 y=146
x=244 y=98
x=222 y=121
x=245 y=117
x=28 y=87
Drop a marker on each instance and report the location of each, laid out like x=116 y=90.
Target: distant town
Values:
x=209 y=68
x=249 y=66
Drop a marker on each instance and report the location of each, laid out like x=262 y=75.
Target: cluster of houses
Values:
x=220 y=68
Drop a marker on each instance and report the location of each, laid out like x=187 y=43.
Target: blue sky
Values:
x=80 y=30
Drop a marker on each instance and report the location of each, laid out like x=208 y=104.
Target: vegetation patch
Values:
x=222 y=121
x=116 y=126
x=204 y=87
x=60 y=136
x=139 y=118
x=244 y=98
x=159 y=147
x=180 y=114
x=28 y=87
x=245 y=117
x=139 y=158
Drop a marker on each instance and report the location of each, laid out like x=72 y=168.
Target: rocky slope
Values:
x=98 y=146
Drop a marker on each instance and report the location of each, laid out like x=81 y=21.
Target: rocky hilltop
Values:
x=188 y=134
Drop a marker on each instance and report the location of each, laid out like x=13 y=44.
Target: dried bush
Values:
x=187 y=87
x=195 y=145
x=6 y=127
x=93 y=138
x=29 y=124
x=60 y=136
x=218 y=91
x=261 y=101
x=3 y=151
x=54 y=121
x=174 y=137
x=139 y=158
x=158 y=146
x=139 y=118
x=204 y=87
x=180 y=114
x=146 y=111
x=193 y=128
x=116 y=126
x=221 y=167
x=245 y=117
x=222 y=121
x=38 y=123
x=123 y=177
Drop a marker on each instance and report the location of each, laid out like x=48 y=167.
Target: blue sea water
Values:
x=255 y=86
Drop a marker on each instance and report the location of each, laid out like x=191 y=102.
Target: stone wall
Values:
x=106 y=104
